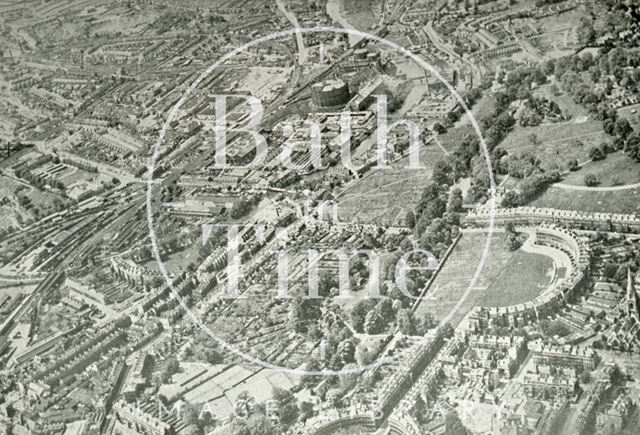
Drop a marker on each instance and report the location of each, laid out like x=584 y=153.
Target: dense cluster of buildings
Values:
x=532 y=216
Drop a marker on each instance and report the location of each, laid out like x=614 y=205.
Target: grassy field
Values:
x=507 y=277
x=616 y=170
x=556 y=143
x=570 y=109
x=624 y=201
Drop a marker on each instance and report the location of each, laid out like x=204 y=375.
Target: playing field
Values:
x=507 y=277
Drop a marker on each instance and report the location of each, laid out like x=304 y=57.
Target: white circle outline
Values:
x=229 y=55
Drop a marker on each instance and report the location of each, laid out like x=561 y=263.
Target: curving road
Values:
x=302 y=50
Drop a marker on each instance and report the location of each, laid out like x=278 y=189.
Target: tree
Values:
x=257 y=424
x=591 y=180
x=439 y=128
x=171 y=367
x=511 y=199
x=346 y=351
x=240 y=208
x=573 y=165
x=453 y=425
x=512 y=241
x=442 y=172
x=245 y=404
x=510 y=227
x=363 y=355
x=632 y=145
x=622 y=128
x=410 y=219
x=306 y=411
x=373 y=322
x=359 y=312
x=610 y=270
x=405 y=322
x=585 y=376
x=596 y=154
x=554 y=328
x=455 y=200
x=609 y=126
x=385 y=308
x=287 y=406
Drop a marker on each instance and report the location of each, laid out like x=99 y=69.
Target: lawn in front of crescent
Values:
x=507 y=277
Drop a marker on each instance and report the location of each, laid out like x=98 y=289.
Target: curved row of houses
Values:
x=332 y=421
x=550 y=299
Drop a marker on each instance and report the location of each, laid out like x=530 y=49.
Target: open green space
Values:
x=507 y=277
x=622 y=201
x=616 y=170
x=553 y=91
x=556 y=144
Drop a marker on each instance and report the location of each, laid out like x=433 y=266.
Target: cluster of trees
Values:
x=536 y=109
x=309 y=317
x=454 y=426
x=518 y=166
x=512 y=241
x=241 y=208
x=614 y=63
x=170 y=367
x=303 y=314
x=287 y=407
x=517 y=85
x=469 y=97
x=253 y=419
x=530 y=187
x=375 y=317
x=632 y=145
x=434 y=225
x=409 y=324
x=552 y=328
x=204 y=353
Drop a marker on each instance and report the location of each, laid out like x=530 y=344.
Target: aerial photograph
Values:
x=322 y=217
